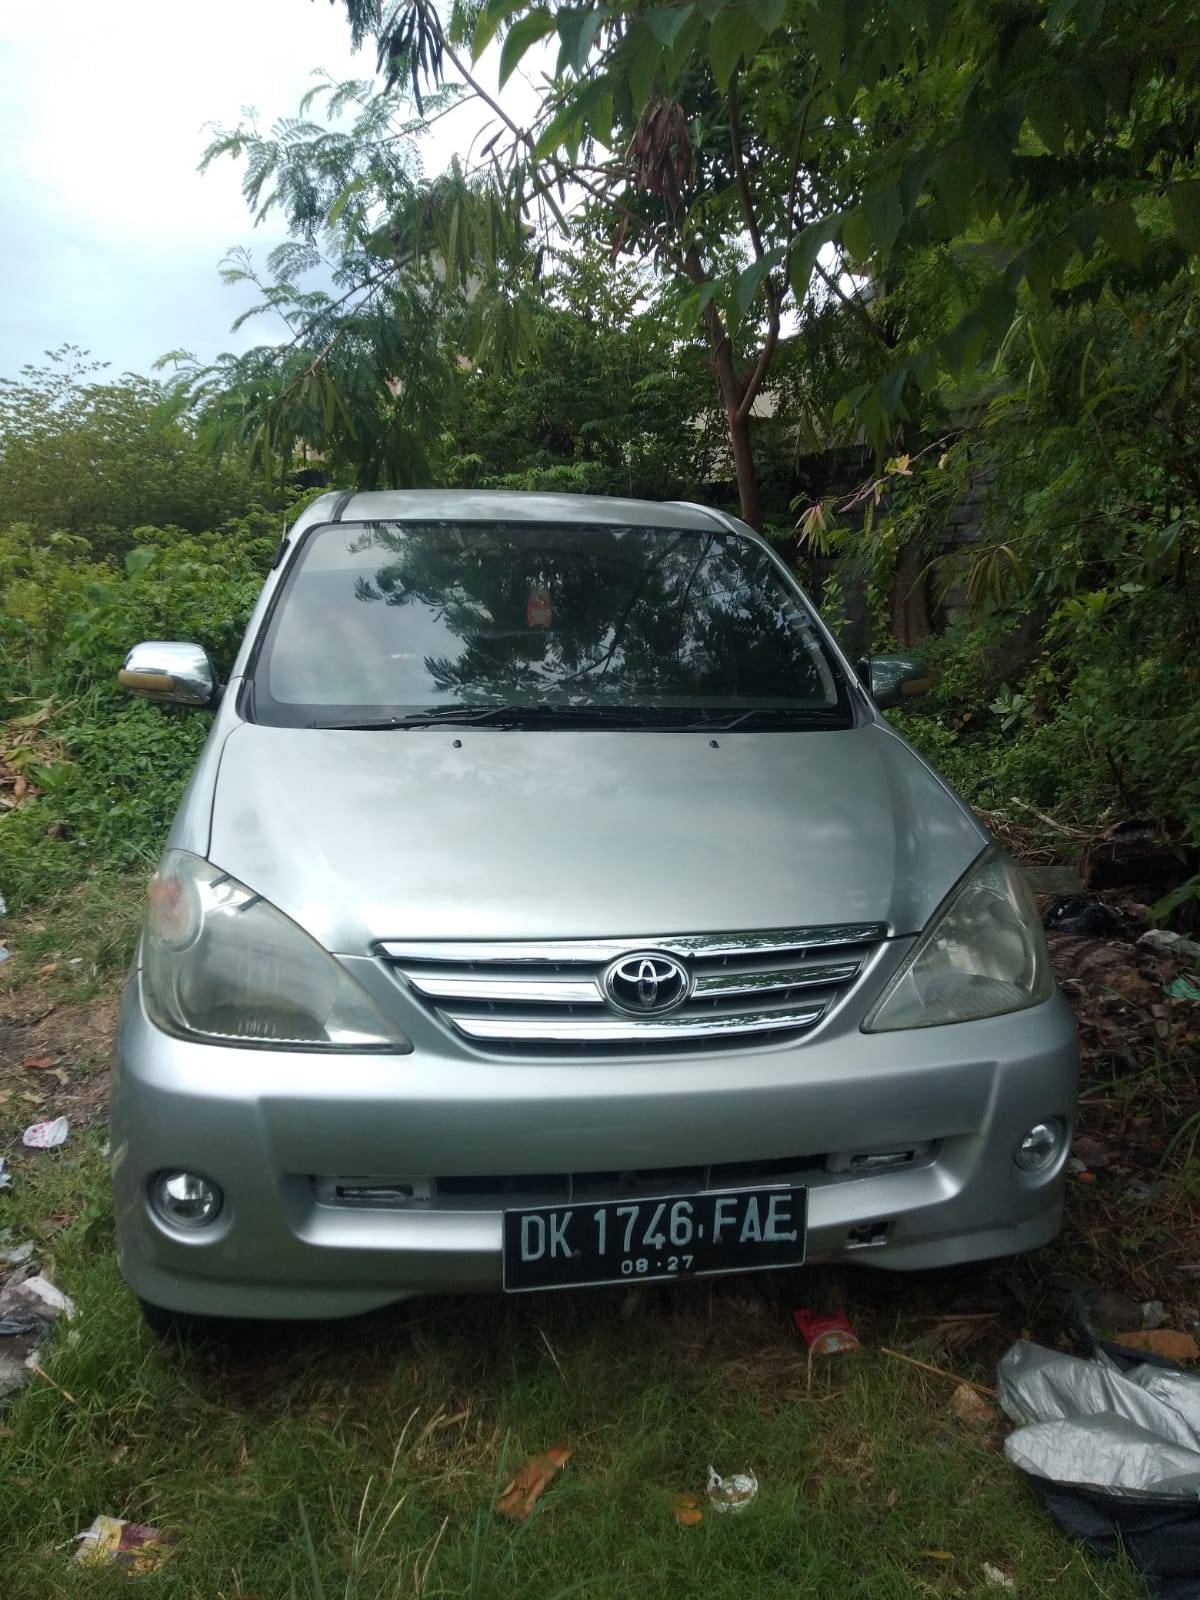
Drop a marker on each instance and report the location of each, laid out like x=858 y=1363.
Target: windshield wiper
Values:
x=798 y=716
x=507 y=716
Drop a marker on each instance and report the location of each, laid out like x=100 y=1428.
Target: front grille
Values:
x=499 y=1191
x=548 y=995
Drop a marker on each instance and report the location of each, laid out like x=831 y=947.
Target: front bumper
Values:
x=272 y=1127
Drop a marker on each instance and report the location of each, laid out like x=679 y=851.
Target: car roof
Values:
x=480 y=505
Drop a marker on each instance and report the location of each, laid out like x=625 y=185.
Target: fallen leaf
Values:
x=44 y=972
x=687 y=1511
x=893 y=1499
x=38 y=1064
x=938 y=1555
x=968 y=1405
x=1169 y=1342
x=517 y=1498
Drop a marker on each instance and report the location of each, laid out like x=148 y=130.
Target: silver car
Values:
x=552 y=906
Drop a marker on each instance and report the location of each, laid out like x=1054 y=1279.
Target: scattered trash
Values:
x=1090 y=1151
x=1166 y=943
x=1182 y=989
x=997 y=1578
x=969 y=1406
x=1154 y=1315
x=135 y=1545
x=1111 y=1444
x=1138 y=1189
x=731 y=1494
x=4 y=952
x=15 y=1322
x=825 y=1335
x=517 y=1498
x=29 y=1304
x=46 y=1135
x=5 y=1175
x=687 y=1511
x=16 y=1255
x=1075 y=1166
x=1091 y=918
x=47 y=1300
x=1107 y=1310
x=1167 y=1342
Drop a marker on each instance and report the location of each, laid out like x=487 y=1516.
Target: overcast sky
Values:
x=111 y=238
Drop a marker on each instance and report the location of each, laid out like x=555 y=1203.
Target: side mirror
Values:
x=168 y=670
x=891 y=680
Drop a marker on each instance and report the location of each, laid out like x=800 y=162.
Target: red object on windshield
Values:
x=538 y=609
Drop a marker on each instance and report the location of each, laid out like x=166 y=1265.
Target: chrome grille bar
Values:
x=629 y=1030
x=702 y=946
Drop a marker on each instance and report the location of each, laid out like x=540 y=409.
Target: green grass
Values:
x=360 y=1460
x=393 y=1433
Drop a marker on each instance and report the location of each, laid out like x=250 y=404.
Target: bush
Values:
x=106 y=772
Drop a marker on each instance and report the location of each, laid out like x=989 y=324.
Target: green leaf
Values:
x=643 y=54
x=666 y=23
x=725 y=39
x=856 y=234
x=561 y=128
x=746 y=287
x=577 y=28
x=767 y=13
x=1120 y=232
x=826 y=23
x=523 y=34
x=805 y=250
x=139 y=558
x=884 y=216
x=490 y=19
x=848 y=403
x=1184 y=202
x=347 y=194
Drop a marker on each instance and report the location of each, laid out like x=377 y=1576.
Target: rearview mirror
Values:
x=169 y=670
x=892 y=680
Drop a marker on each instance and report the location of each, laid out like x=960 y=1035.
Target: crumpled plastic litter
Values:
x=1111 y=1443
x=15 y=1322
x=135 y=1545
x=1171 y=944
x=825 y=1335
x=5 y=1175
x=32 y=1303
x=43 y=1296
x=46 y=1135
x=733 y=1493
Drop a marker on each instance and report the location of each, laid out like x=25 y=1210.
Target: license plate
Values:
x=635 y=1241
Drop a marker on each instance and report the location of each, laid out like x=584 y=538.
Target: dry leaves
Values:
x=518 y=1498
x=969 y=1406
x=1168 y=1342
x=687 y=1511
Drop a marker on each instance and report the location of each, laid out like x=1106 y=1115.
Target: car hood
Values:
x=484 y=833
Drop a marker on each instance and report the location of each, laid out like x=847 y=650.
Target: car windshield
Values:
x=501 y=622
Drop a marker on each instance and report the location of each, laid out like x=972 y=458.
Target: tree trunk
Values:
x=749 y=493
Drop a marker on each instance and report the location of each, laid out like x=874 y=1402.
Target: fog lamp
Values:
x=1041 y=1146
x=186 y=1199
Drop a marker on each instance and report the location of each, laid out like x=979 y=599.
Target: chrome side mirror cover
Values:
x=171 y=671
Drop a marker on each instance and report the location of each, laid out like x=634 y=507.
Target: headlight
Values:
x=220 y=964
x=983 y=954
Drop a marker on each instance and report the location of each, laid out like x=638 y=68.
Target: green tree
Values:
x=83 y=454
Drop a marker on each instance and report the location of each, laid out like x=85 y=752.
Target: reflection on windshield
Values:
x=389 y=617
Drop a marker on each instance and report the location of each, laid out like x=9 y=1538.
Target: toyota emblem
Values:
x=646 y=983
